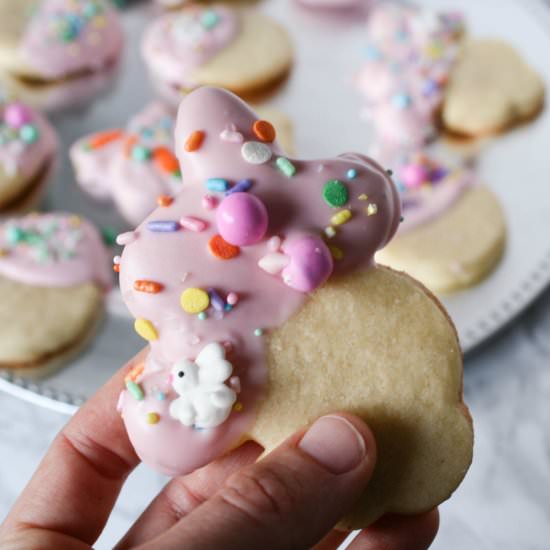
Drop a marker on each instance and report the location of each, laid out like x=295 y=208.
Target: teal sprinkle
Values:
x=402 y=219
x=67 y=33
x=135 y=390
x=228 y=308
x=258 y=332
x=15 y=235
x=286 y=167
x=91 y=9
x=109 y=235
x=34 y=239
x=202 y=315
x=161 y=396
x=352 y=173
x=42 y=254
x=28 y=133
x=209 y=19
x=141 y=153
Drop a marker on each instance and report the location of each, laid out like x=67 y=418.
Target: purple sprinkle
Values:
x=163 y=226
x=240 y=187
x=430 y=87
x=218 y=303
x=410 y=203
x=438 y=174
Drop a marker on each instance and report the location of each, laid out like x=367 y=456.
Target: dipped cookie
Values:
x=54 y=271
x=264 y=309
x=243 y=51
x=28 y=148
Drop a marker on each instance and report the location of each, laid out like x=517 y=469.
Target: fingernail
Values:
x=335 y=443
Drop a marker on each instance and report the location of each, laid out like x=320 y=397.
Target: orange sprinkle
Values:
x=164 y=200
x=221 y=249
x=134 y=373
x=264 y=131
x=151 y=287
x=104 y=138
x=194 y=141
x=165 y=160
x=116 y=268
x=128 y=144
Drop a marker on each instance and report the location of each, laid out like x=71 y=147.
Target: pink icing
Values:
x=28 y=142
x=65 y=37
x=256 y=301
x=409 y=56
x=116 y=171
x=53 y=250
x=177 y=43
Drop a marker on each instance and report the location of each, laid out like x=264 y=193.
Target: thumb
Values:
x=291 y=498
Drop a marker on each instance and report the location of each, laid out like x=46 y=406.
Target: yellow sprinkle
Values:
x=341 y=217
x=337 y=253
x=153 y=418
x=3 y=252
x=372 y=209
x=99 y=22
x=363 y=197
x=194 y=300
x=330 y=231
x=75 y=221
x=146 y=329
x=238 y=406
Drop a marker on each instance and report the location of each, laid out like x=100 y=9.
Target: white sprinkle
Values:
x=255 y=152
x=274 y=263
x=116 y=260
x=330 y=231
x=274 y=244
x=372 y=209
x=235 y=384
x=126 y=238
x=231 y=135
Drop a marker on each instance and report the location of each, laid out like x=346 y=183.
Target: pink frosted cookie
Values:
x=408 y=59
x=54 y=270
x=28 y=147
x=52 y=40
x=454 y=229
x=131 y=167
x=334 y=4
x=257 y=291
x=212 y=45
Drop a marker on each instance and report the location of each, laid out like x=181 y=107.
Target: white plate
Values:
x=321 y=101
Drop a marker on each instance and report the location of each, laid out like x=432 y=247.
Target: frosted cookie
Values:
x=491 y=89
x=136 y=167
x=53 y=272
x=454 y=229
x=243 y=51
x=409 y=54
x=51 y=40
x=28 y=147
x=333 y=4
x=256 y=289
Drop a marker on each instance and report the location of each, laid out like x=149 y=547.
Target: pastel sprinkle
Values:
x=129 y=144
x=235 y=384
x=153 y=418
x=238 y=407
x=264 y=131
x=218 y=303
x=116 y=268
x=194 y=300
x=209 y=202
x=274 y=262
x=165 y=160
x=135 y=390
x=240 y=187
x=193 y=224
x=286 y=167
x=104 y=138
x=351 y=173
x=335 y=193
x=150 y=287
x=341 y=217
x=336 y=252
x=202 y=315
x=146 y=329
x=135 y=372
x=372 y=209
x=232 y=298
x=218 y=185
x=258 y=332
x=330 y=232
x=255 y=152
x=221 y=249
x=274 y=243
x=28 y=133
x=161 y=396
x=228 y=308
x=231 y=135
x=209 y=19
x=141 y=153
x=126 y=238
x=163 y=226
x=401 y=101
x=116 y=259
x=363 y=197
x=194 y=141
x=164 y=200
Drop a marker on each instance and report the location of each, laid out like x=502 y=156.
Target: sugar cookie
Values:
x=490 y=89
x=274 y=295
x=53 y=272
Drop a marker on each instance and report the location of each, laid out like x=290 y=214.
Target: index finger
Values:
x=78 y=481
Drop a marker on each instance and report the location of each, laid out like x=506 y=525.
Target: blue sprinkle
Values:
x=372 y=53
x=240 y=187
x=217 y=185
x=352 y=173
x=218 y=303
x=430 y=88
x=401 y=101
x=228 y=307
x=163 y=226
x=401 y=35
x=161 y=396
x=147 y=133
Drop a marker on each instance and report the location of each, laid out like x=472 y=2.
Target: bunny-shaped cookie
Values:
x=272 y=258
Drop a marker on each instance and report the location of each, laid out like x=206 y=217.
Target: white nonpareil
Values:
x=204 y=400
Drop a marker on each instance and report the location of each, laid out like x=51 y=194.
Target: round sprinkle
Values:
x=264 y=131
x=116 y=268
x=330 y=232
x=238 y=407
x=194 y=300
x=258 y=332
x=341 y=217
x=194 y=141
x=146 y=329
x=221 y=249
x=228 y=308
x=141 y=153
x=161 y=396
x=135 y=390
x=202 y=315
x=209 y=19
x=165 y=160
x=209 y=202
x=150 y=287
x=255 y=152
x=401 y=101
x=351 y=173
x=164 y=200
x=28 y=133
x=17 y=114
x=335 y=193
x=153 y=418
x=286 y=167
x=232 y=298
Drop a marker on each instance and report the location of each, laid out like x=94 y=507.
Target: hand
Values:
x=292 y=498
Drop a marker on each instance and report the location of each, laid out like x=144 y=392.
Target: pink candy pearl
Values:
x=17 y=115
x=232 y=298
x=209 y=202
x=413 y=175
x=242 y=219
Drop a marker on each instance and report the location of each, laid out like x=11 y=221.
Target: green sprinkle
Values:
x=28 y=133
x=202 y=315
x=109 y=235
x=15 y=235
x=286 y=167
x=135 y=390
x=258 y=332
x=209 y=19
x=335 y=193
x=141 y=153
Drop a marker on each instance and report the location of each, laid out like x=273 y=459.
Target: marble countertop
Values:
x=503 y=503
